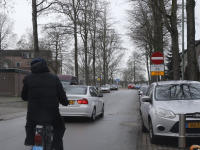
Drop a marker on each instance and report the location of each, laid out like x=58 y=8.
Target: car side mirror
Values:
x=146 y=99
x=140 y=93
x=100 y=95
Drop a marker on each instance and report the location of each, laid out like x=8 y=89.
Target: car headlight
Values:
x=165 y=113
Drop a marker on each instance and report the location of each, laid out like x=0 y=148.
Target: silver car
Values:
x=84 y=102
x=164 y=102
x=105 y=88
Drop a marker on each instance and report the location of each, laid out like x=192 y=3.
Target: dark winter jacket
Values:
x=43 y=91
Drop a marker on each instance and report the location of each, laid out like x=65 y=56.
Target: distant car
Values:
x=105 y=88
x=137 y=86
x=162 y=105
x=131 y=86
x=113 y=87
x=84 y=102
x=68 y=79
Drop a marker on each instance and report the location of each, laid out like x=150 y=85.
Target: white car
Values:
x=105 y=88
x=84 y=102
x=163 y=103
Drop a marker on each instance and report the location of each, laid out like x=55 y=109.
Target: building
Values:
x=197 y=48
x=16 y=64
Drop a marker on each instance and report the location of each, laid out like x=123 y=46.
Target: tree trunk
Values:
x=191 y=52
x=75 y=42
x=35 y=32
x=172 y=28
x=85 y=44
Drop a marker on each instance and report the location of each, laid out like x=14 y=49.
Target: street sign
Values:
x=157 y=73
x=157 y=70
x=157 y=58
x=117 y=80
x=98 y=79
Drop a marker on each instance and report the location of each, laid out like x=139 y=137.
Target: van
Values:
x=68 y=79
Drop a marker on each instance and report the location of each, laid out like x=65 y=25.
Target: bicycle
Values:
x=43 y=137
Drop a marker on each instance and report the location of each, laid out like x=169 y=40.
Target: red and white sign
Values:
x=157 y=58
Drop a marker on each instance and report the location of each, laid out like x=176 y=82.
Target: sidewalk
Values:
x=12 y=107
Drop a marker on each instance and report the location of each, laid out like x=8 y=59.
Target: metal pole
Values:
x=183 y=65
x=182 y=130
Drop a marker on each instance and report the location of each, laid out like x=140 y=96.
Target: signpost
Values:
x=158 y=68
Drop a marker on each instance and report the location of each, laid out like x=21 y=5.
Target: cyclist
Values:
x=43 y=91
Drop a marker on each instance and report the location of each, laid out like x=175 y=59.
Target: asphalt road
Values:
x=117 y=130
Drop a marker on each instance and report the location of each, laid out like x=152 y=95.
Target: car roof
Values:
x=176 y=82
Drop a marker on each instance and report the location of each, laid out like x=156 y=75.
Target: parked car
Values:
x=113 y=87
x=105 y=88
x=163 y=103
x=84 y=102
x=142 y=92
x=131 y=86
x=137 y=86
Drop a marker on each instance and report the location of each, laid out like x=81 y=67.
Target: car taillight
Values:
x=38 y=138
x=82 y=101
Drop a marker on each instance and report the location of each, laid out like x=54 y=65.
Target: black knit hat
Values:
x=38 y=60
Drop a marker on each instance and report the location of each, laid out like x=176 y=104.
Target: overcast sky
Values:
x=23 y=19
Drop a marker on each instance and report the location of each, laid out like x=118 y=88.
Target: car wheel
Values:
x=93 y=117
x=102 y=112
x=143 y=128
x=153 y=138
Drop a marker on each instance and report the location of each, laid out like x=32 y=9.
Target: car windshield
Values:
x=71 y=90
x=177 y=92
x=113 y=85
x=105 y=86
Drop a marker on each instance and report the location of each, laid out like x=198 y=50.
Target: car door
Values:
x=95 y=99
x=146 y=106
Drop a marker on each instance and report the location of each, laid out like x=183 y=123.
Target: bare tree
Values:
x=57 y=39
x=7 y=37
x=38 y=7
x=171 y=21
x=191 y=52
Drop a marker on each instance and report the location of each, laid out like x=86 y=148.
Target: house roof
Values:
x=19 y=52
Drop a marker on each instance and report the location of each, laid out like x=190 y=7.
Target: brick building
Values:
x=11 y=81
x=15 y=64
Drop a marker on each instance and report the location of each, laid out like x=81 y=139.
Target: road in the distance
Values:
x=117 y=130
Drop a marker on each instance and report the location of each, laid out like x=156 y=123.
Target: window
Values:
x=28 y=55
x=5 y=65
x=28 y=63
x=32 y=55
x=17 y=64
x=93 y=92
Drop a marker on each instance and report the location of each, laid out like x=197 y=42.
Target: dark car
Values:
x=113 y=87
x=68 y=79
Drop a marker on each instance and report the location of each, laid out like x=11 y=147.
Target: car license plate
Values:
x=71 y=102
x=37 y=148
x=193 y=125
